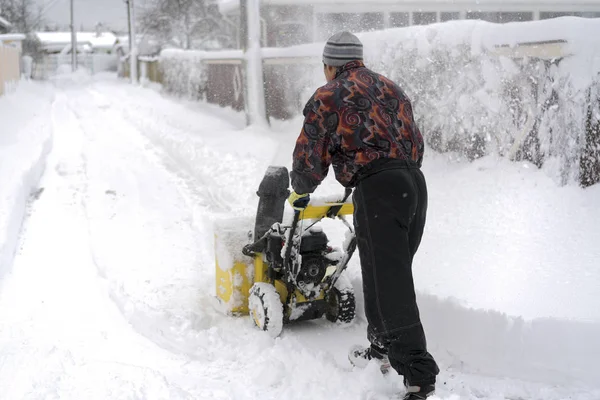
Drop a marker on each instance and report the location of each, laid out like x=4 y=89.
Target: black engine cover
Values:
x=313 y=242
x=314 y=264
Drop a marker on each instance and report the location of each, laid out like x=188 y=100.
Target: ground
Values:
x=110 y=293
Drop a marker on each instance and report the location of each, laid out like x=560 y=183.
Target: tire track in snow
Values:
x=203 y=152
x=66 y=338
x=173 y=311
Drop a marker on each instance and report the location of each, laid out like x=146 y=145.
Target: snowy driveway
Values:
x=110 y=295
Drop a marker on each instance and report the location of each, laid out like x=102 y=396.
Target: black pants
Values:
x=389 y=217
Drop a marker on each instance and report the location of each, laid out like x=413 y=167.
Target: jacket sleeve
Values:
x=311 y=158
x=420 y=146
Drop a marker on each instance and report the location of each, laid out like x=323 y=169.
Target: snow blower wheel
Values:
x=341 y=305
x=265 y=308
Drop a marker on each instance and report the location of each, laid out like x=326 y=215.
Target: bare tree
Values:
x=187 y=24
x=24 y=16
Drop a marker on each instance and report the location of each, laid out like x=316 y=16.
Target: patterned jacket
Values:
x=355 y=119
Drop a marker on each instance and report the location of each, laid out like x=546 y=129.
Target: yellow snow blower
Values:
x=284 y=273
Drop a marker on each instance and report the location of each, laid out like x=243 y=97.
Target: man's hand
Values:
x=299 y=201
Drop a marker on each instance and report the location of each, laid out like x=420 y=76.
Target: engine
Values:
x=313 y=249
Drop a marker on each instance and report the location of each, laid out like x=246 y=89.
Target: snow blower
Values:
x=283 y=273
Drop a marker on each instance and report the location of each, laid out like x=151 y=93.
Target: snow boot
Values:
x=360 y=357
x=419 y=392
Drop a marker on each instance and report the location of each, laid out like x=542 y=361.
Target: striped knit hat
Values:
x=342 y=48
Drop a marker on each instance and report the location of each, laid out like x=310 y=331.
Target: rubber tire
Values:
x=265 y=308
x=341 y=303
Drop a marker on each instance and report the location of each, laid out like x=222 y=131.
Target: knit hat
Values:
x=342 y=48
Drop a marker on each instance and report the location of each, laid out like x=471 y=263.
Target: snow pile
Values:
x=25 y=140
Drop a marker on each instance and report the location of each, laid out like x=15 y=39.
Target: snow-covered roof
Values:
x=229 y=6
x=12 y=37
x=58 y=40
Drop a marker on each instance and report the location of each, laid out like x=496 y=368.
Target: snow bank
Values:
x=492 y=343
x=25 y=140
x=474 y=94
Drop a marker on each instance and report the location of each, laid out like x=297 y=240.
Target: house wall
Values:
x=9 y=68
x=288 y=25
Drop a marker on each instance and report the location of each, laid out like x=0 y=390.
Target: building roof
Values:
x=230 y=6
x=12 y=37
x=59 y=40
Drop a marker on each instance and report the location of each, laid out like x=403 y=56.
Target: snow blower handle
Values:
x=289 y=243
x=334 y=210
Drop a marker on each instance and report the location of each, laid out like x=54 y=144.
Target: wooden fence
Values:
x=10 y=69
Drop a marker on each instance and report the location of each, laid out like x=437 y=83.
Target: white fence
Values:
x=53 y=64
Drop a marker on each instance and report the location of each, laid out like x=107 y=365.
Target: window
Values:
x=290 y=34
x=352 y=22
x=398 y=19
x=330 y=23
x=424 y=18
x=449 y=16
x=372 y=21
x=548 y=14
x=287 y=25
x=515 y=16
x=478 y=15
x=501 y=17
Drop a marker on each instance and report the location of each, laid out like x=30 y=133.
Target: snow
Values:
x=24 y=143
x=58 y=40
x=11 y=37
x=480 y=94
x=111 y=291
x=232 y=233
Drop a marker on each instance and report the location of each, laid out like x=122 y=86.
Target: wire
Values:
x=49 y=6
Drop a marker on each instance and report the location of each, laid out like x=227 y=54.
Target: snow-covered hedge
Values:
x=470 y=98
x=185 y=72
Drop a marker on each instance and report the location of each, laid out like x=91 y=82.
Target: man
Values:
x=362 y=123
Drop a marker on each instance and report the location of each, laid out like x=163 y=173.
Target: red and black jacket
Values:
x=357 y=120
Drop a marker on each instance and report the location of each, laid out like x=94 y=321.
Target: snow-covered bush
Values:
x=184 y=73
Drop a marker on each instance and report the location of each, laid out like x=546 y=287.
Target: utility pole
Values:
x=73 y=39
x=129 y=24
x=255 y=100
x=132 y=46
